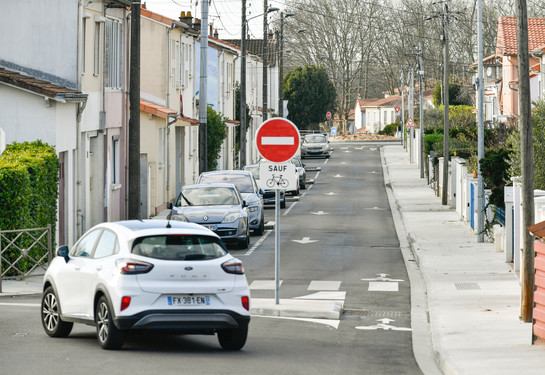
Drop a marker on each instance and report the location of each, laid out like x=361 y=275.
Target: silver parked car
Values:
x=269 y=195
x=249 y=190
x=315 y=145
x=218 y=207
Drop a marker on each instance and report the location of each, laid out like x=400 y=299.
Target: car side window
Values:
x=107 y=245
x=85 y=246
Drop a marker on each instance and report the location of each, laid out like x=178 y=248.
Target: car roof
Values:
x=213 y=184
x=139 y=228
x=227 y=171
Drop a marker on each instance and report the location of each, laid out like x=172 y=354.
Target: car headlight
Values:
x=231 y=217
x=179 y=217
x=253 y=206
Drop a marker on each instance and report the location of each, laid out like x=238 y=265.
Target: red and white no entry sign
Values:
x=328 y=115
x=277 y=139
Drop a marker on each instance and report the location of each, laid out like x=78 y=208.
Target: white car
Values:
x=160 y=275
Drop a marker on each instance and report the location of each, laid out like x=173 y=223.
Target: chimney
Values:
x=197 y=24
x=186 y=18
x=216 y=34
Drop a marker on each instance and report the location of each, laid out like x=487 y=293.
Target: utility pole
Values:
x=242 y=161
x=265 y=60
x=134 y=115
x=446 y=153
x=527 y=149
x=402 y=108
x=411 y=114
x=421 y=138
x=480 y=122
x=203 y=100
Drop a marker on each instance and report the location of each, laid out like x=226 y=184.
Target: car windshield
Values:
x=315 y=139
x=179 y=247
x=242 y=181
x=208 y=196
x=254 y=170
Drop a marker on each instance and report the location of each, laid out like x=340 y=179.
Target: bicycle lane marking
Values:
x=259 y=242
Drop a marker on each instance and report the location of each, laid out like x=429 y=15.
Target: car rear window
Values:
x=242 y=182
x=179 y=247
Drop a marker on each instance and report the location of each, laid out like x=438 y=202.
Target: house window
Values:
x=115 y=160
x=178 y=65
x=96 y=61
x=113 y=54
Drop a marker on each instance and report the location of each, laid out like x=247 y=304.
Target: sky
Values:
x=224 y=15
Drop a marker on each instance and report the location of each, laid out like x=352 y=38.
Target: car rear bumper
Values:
x=190 y=320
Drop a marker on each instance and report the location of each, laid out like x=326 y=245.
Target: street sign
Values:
x=281 y=176
x=277 y=139
x=410 y=123
x=397 y=109
x=328 y=115
x=333 y=131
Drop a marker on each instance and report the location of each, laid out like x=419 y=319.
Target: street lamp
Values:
x=281 y=64
x=245 y=21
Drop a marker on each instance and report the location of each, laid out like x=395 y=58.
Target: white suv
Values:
x=159 y=275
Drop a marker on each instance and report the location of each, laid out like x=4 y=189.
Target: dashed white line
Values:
x=252 y=249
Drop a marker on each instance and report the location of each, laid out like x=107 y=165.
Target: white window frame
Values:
x=116 y=178
x=113 y=53
x=96 y=57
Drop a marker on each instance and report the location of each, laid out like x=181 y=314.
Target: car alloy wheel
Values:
x=108 y=335
x=53 y=325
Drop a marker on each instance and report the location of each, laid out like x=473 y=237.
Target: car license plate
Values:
x=211 y=227
x=188 y=300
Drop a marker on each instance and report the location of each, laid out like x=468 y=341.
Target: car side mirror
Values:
x=261 y=191
x=62 y=251
x=169 y=206
x=304 y=165
x=244 y=204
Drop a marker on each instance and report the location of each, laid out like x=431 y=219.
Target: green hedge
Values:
x=29 y=178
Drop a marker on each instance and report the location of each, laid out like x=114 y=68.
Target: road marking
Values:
x=324 y=285
x=384 y=324
x=382 y=277
x=20 y=304
x=289 y=208
x=319 y=213
x=383 y=286
x=327 y=322
x=253 y=248
x=330 y=193
x=325 y=296
x=337 y=175
x=264 y=284
x=375 y=208
x=305 y=240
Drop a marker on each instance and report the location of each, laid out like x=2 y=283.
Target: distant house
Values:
x=372 y=115
x=506 y=53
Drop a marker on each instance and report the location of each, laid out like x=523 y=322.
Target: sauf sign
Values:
x=277 y=141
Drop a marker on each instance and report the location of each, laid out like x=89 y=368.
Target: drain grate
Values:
x=467 y=286
x=373 y=313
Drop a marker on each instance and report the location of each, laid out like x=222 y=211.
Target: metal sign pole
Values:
x=277 y=244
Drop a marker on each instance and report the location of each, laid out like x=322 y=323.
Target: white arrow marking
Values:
x=305 y=240
x=278 y=141
x=337 y=175
x=382 y=277
x=384 y=325
x=319 y=213
x=330 y=193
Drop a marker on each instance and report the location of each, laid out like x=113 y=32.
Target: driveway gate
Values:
x=32 y=248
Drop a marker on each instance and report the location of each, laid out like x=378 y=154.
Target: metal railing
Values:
x=22 y=242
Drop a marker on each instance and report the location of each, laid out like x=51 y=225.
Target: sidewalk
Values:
x=470 y=298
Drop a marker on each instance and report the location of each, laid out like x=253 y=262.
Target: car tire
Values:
x=303 y=186
x=283 y=203
x=53 y=325
x=108 y=335
x=259 y=231
x=233 y=339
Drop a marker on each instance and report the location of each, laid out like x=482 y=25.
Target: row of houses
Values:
x=500 y=81
x=64 y=79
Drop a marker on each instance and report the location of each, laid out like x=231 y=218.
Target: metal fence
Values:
x=32 y=247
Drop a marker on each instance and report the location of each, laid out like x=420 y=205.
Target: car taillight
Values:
x=125 y=302
x=245 y=302
x=233 y=266
x=132 y=267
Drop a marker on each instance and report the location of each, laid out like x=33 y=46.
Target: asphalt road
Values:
x=347 y=250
